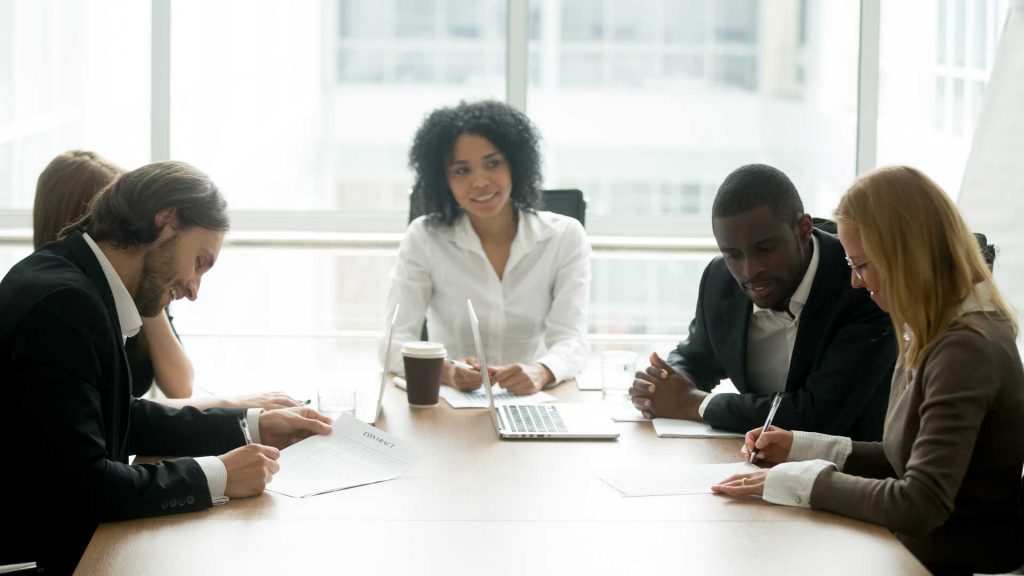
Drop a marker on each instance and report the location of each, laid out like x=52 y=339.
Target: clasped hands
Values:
x=661 y=391
x=520 y=379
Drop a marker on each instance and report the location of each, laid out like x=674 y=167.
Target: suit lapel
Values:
x=82 y=255
x=812 y=327
x=735 y=314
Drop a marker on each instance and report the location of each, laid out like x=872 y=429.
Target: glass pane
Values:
x=630 y=117
x=311 y=106
x=927 y=113
x=74 y=74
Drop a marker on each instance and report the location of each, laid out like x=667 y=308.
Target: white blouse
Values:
x=536 y=313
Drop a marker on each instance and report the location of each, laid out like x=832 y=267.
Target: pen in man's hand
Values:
x=776 y=400
x=243 y=423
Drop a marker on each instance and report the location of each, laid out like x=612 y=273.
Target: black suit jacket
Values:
x=842 y=360
x=71 y=422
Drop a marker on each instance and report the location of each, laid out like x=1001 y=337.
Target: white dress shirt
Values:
x=130 y=321
x=537 y=312
x=771 y=336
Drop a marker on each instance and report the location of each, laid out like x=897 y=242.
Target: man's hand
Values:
x=662 y=392
x=250 y=468
x=522 y=379
x=265 y=400
x=286 y=426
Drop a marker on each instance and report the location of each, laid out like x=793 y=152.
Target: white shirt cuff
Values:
x=814 y=446
x=216 y=478
x=790 y=483
x=252 y=418
x=704 y=405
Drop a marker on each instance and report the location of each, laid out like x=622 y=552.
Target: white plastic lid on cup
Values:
x=424 y=350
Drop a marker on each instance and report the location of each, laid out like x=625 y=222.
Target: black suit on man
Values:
x=842 y=360
x=71 y=421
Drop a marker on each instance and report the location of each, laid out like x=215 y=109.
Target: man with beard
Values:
x=148 y=239
x=776 y=313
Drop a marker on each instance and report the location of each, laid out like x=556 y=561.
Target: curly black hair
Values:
x=508 y=129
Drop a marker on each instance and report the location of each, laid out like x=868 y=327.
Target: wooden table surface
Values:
x=476 y=504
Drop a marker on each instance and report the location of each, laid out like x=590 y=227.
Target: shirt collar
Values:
x=127 y=313
x=980 y=299
x=803 y=290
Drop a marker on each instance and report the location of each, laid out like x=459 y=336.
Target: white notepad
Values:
x=670 y=428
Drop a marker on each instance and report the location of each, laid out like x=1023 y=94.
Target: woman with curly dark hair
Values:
x=483 y=237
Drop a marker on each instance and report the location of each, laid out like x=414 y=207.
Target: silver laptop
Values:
x=539 y=420
x=369 y=410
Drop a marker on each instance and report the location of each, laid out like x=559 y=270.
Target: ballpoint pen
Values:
x=244 y=425
x=462 y=365
x=776 y=400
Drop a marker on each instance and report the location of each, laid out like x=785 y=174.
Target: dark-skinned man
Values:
x=775 y=313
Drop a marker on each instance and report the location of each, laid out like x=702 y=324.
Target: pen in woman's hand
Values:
x=462 y=365
x=776 y=400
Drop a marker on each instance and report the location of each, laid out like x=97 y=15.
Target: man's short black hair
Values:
x=509 y=130
x=756 y=185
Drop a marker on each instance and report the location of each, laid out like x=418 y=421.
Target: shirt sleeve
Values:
x=252 y=418
x=412 y=287
x=790 y=483
x=565 y=330
x=815 y=446
x=216 y=478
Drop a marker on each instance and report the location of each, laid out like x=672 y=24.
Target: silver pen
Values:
x=776 y=400
x=243 y=423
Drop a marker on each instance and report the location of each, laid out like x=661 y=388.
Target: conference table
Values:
x=477 y=504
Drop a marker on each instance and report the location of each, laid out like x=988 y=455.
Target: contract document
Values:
x=696 y=479
x=353 y=454
x=478 y=398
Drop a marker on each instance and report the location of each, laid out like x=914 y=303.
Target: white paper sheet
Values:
x=478 y=398
x=669 y=428
x=353 y=454
x=698 y=479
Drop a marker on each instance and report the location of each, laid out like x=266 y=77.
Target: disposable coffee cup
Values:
x=423 y=362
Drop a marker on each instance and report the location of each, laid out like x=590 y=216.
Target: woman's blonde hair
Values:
x=929 y=261
x=65 y=189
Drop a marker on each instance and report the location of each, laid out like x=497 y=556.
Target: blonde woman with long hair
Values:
x=947 y=474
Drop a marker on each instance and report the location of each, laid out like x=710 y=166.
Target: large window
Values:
x=73 y=74
x=935 y=59
x=303 y=112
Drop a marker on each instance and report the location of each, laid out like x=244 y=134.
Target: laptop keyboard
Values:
x=537 y=418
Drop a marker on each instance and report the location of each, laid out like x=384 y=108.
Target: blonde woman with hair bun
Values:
x=947 y=475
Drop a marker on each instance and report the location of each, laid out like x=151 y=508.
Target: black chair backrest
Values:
x=988 y=251
x=565 y=202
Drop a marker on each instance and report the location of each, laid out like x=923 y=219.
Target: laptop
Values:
x=556 y=421
x=369 y=410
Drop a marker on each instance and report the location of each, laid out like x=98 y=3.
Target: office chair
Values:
x=567 y=202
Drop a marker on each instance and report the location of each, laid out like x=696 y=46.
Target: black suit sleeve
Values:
x=64 y=360
x=695 y=356
x=849 y=382
x=157 y=429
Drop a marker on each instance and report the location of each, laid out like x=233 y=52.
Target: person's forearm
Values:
x=172 y=369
